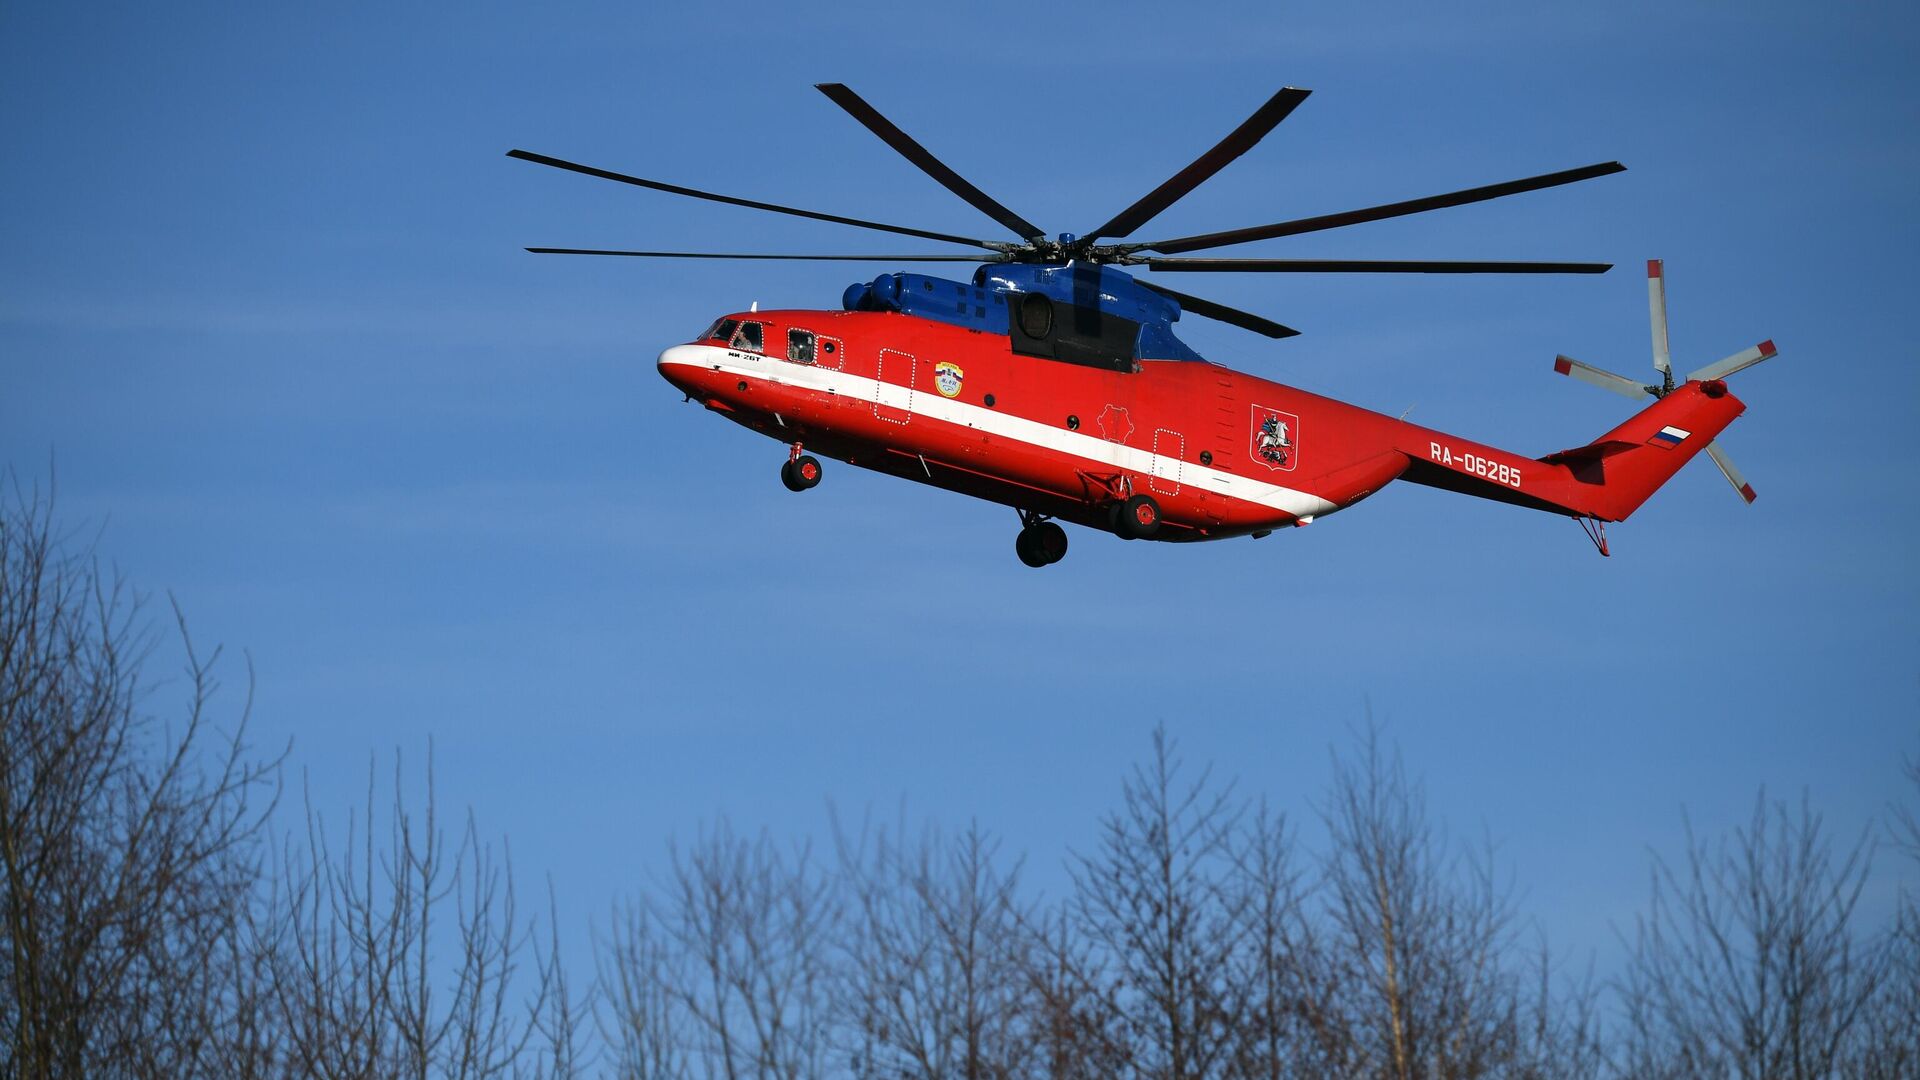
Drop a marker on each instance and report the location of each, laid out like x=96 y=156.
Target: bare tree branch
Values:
x=1746 y=962
x=358 y=978
x=127 y=846
x=932 y=983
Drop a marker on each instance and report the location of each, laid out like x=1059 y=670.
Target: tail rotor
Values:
x=1662 y=362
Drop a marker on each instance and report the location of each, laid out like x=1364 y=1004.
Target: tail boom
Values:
x=1607 y=479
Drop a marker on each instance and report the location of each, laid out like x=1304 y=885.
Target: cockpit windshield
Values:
x=747 y=338
x=721 y=329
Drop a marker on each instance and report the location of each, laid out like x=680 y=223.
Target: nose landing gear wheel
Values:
x=801 y=473
x=1041 y=545
x=1137 y=518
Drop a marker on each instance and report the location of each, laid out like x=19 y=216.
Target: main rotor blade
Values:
x=1373 y=266
x=1243 y=319
x=1377 y=213
x=1732 y=474
x=1242 y=139
x=870 y=117
x=1739 y=361
x=727 y=255
x=693 y=193
x=1605 y=380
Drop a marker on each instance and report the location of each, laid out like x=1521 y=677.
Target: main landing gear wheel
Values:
x=801 y=473
x=1137 y=518
x=1041 y=544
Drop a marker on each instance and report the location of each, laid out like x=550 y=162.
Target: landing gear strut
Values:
x=801 y=471
x=1041 y=542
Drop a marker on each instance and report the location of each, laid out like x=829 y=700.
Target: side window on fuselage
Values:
x=747 y=338
x=800 y=346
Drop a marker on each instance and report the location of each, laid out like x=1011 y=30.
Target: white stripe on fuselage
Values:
x=994 y=422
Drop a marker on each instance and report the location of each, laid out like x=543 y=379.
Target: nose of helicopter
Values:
x=680 y=365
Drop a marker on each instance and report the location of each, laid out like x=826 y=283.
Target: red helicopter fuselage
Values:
x=1053 y=381
x=1217 y=452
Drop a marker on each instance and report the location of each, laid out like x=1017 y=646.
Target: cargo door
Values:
x=1169 y=457
x=896 y=375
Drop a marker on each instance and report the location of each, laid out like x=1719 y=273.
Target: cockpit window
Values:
x=800 y=346
x=722 y=329
x=747 y=338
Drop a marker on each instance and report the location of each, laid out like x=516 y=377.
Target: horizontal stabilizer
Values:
x=1589 y=454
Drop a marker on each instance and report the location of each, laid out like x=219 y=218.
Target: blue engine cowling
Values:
x=983 y=304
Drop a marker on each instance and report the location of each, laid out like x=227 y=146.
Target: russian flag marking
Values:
x=1669 y=437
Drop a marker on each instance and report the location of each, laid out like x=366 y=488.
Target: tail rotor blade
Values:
x=1605 y=380
x=1657 y=304
x=1740 y=485
x=1739 y=361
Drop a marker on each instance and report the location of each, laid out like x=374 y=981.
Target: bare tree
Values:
x=1747 y=962
x=1153 y=901
x=754 y=932
x=1286 y=1028
x=1078 y=1027
x=563 y=1021
x=1557 y=1029
x=146 y=932
x=642 y=1019
x=1418 y=934
x=358 y=977
x=127 y=845
x=932 y=983
x=1888 y=1042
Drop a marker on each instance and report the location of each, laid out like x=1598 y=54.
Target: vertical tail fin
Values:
x=1610 y=477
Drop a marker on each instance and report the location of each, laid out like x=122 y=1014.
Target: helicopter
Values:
x=1052 y=381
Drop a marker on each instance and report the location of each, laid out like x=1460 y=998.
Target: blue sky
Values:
x=264 y=309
